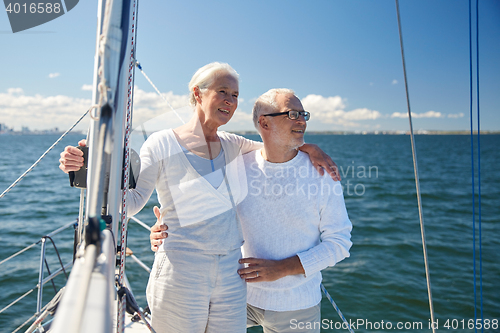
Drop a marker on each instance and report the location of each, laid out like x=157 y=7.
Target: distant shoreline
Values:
x=40 y=133
x=419 y=132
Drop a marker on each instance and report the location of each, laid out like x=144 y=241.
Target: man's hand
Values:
x=259 y=270
x=72 y=158
x=321 y=161
x=158 y=231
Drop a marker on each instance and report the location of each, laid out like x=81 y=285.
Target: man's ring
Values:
x=257 y=274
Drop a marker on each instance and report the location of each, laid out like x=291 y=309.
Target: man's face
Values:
x=285 y=131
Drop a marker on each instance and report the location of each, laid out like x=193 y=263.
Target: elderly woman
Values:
x=196 y=170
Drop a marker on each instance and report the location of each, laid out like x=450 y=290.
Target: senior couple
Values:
x=221 y=194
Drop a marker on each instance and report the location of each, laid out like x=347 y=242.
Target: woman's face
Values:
x=220 y=100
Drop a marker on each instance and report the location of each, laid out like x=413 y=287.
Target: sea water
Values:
x=381 y=287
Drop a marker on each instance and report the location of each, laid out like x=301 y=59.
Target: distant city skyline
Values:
x=4 y=129
x=28 y=131
x=342 y=58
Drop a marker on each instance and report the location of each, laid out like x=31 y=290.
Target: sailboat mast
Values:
x=90 y=292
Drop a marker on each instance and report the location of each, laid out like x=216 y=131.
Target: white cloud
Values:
x=87 y=87
x=151 y=111
x=53 y=75
x=45 y=112
x=319 y=103
x=38 y=111
x=428 y=114
x=154 y=101
x=15 y=91
x=155 y=113
x=394 y=81
x=331 y=110
x=362 y=114
x=400 y=115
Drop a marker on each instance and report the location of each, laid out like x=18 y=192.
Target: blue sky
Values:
x=341 y=57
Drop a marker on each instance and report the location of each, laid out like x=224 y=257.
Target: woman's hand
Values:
x=72 y=158
x=158 y=231
x=321 y=161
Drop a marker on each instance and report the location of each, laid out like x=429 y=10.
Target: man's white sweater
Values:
x=291 y=210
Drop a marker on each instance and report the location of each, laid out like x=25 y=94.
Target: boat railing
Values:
x=41 y=270
x=64 y=268
x=43 y=264
x=137 y=260
x=92 y=292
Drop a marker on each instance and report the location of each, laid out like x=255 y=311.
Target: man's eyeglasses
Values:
x=292 y=114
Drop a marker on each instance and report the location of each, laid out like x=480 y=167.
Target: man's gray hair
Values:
x=206 y=75
x=266 y=103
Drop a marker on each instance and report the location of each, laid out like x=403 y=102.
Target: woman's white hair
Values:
x=266 y=103
x=206 y=75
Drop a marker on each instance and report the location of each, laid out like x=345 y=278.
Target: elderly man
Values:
x=294 y=221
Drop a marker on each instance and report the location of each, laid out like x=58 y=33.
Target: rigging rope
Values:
x=43 y=155
x=415 y=167
x=38 y=242
x=144 y=225
x=471 y=107
x=479 y=166
x=128 y=125
x=18 y=253
x=336 y=307
x=58 y=256
x=19 y=298
x=158 y=91
x=25 y=323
